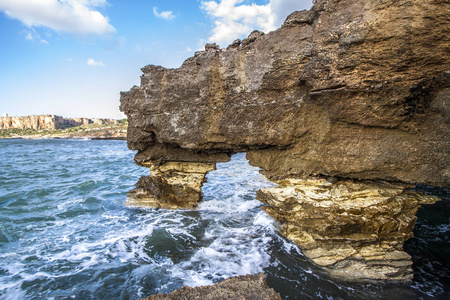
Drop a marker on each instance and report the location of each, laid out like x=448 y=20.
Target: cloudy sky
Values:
x=73 y=57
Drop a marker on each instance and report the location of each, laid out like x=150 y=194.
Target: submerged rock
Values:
x=248 y=287
x=354 y=229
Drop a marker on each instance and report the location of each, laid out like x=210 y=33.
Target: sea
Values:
x=66 y=233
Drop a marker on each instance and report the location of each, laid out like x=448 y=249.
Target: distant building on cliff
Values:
x=5 y=115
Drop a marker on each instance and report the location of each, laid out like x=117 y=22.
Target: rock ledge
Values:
x=246 y=287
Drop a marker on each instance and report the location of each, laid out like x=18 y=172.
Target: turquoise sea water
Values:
x=66 y=234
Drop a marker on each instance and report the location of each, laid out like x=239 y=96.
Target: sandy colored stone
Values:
x=171 y=185
x=354 y=229
x=185 y=167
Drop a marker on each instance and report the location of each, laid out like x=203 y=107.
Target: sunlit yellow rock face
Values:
x=171 y=185
x=354 y=229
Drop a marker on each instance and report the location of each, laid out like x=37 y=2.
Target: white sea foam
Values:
x=75 y=232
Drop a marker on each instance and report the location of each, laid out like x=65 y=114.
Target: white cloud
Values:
x=32 y=35
x=29 y=37
x=167 y=15
x=73 y=16
x=92 y=62
x=282 y=8
x=235 y=19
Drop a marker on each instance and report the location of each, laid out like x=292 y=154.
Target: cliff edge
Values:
x=344 y=106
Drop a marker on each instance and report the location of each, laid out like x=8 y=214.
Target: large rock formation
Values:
x=248 y=287
x=352 y=89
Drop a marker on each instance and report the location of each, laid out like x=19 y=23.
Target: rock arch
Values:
x=345 y=106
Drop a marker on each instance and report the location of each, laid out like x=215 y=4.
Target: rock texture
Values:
x=355 y=229
x=49 y=122
x=171 y=185
x=248 y=287
x=353 y=89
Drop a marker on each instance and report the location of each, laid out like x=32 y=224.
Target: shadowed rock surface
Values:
x=248 y=287
x=354 y=90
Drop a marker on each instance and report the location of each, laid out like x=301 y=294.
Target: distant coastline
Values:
x=57 y=127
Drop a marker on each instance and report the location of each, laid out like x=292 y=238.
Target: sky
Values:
x=73 y=57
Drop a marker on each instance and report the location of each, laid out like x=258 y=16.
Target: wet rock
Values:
x=354 y=229
x=170 y=185
x=248 y=287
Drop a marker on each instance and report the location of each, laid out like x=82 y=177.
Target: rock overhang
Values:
x=356 y=90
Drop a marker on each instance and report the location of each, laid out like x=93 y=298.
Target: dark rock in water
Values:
x=352 y=89
x=249 y=287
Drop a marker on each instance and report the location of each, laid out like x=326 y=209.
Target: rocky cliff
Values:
x=353 y=91
x=43 y=122
x=49 y=122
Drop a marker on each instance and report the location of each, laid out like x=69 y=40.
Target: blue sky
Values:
x=73 y=57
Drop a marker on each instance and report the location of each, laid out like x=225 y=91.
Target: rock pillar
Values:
x=171 y=185
x=354 y=229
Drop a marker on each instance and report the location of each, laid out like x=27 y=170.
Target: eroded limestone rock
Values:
x=356 y=89
x=171 y=185
x=352 y=88
x=248 y=287
x=354 y=229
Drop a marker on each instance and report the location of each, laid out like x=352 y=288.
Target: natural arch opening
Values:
x=232 y=186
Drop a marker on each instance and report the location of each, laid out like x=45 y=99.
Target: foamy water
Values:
x=65 y=233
